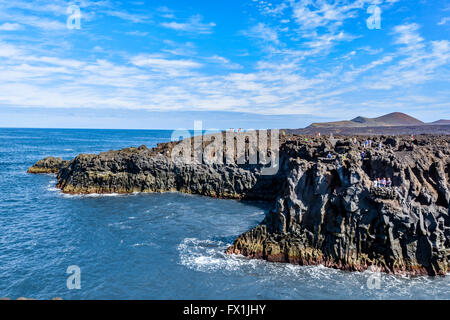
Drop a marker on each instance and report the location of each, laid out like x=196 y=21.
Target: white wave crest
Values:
x=209 y=256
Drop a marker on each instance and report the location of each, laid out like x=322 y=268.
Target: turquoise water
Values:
x=147 y=246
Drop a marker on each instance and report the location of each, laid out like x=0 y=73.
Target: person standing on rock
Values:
x=380 y=146
x=389 y=183
x=363 y=155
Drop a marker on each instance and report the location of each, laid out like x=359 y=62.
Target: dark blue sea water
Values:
x=147 y=246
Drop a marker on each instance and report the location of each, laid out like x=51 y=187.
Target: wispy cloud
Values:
x=316 y=58
x=315 y=25
x=161 y=64
x=193 y=25
x=269 y=8
x=10 y=26
x=18 y=19
x=331 y=15
x=264 y=32
x=326 y=41
x=179 y=49
x=409 y=36
x=137 y=33
x=417 y=60
x=127 y=16
x=443 y=21
x=227 y=63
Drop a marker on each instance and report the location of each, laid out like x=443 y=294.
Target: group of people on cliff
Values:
x=368 y=143
x=382 y=183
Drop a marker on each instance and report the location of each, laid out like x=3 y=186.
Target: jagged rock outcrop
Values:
x=152 y=170
x=48 y=165
x=326 y=210
x=331 y=214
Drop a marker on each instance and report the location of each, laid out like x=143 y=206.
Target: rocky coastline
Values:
x=326 y=209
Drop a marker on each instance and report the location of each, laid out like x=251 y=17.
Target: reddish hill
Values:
x=398 y=119
x=391 y=119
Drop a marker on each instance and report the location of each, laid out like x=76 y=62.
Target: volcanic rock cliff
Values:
x=331 y=214
x=153 y=170
x=326 y=208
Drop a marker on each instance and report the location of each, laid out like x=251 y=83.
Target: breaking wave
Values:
x=320 y=282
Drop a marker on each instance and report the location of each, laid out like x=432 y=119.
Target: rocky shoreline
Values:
x=325 y=209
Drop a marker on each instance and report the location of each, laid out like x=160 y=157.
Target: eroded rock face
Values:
x=331 y=214
x=152 y=170
x=326 y=211
x=48 y=165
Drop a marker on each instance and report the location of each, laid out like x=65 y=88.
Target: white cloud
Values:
x=444 y=21
x=227 y=63
x=193 y=25
x=135 y=18
x=269 y=8
x=313 y=14
x=37 y=22
x=316 y=25
x=264 y=32
x=326 y=41
x=10 y=26
x=8 y=50
x=417 y=60
x=157 y=63
x=137 y=33
x=179 y=49
x=178 y=75
x=408 y=35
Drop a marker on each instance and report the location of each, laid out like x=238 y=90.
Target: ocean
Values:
x=147 y=246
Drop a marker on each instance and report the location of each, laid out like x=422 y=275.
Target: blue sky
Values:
x=254 y=64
